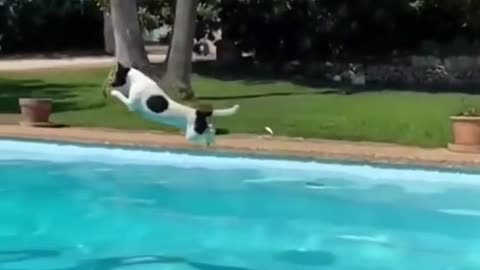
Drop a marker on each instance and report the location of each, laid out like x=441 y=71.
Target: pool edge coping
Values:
x=318 y=150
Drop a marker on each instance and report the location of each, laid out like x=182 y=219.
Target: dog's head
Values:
x=120 y=79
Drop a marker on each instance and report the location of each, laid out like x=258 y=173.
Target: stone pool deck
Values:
x=250 y=144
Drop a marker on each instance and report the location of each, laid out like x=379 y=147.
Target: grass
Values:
x=402 y=117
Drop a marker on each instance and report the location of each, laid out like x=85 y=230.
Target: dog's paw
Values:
x=236 y=108
x=116 y=94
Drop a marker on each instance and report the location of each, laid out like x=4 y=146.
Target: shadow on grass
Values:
x=280 y=94
x=258 y=74
x=64 y=95
x=222 y=131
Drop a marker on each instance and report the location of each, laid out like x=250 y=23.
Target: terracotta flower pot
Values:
x=35 y=111
x=466 y=134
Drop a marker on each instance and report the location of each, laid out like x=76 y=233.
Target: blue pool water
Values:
x=90 y=208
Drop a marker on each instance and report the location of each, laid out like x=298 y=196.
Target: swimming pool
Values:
x=75 y=207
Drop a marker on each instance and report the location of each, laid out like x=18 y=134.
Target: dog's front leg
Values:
x=127 y=102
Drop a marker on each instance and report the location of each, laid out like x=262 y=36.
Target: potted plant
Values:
x=466 y=129
x=35 y=111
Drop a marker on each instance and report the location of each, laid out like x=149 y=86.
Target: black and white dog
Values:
x=141 y=94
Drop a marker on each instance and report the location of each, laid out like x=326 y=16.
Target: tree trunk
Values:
x=170 y=35
x=169 y=46
x=179 y=65
x=108 y=34
x=129 y=44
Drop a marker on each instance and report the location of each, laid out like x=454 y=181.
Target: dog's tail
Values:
x=226 y=112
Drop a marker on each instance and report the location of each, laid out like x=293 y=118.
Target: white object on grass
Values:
x=269 y=130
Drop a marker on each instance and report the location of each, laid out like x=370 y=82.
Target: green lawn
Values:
x=388 y=116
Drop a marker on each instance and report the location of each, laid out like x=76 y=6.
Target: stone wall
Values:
x=461 y=71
